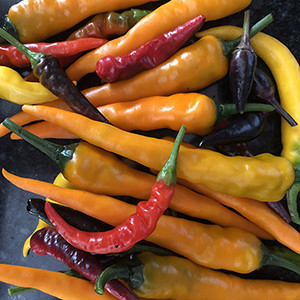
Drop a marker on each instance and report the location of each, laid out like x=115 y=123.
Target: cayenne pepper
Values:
x=138 y=226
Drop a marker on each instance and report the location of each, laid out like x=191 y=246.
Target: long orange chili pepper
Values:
x=163 y=19
x=209 y=245
x=53 y=283
x=263 y=177
x=257 y=212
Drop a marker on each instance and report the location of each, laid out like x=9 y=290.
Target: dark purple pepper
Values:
x=74 y=217
x=239 y=129
x=238 y=149
x=49 y=241
x=264 y=88
x=242 y=67
x=149 y=55
x=47 y=69
x=280 y=210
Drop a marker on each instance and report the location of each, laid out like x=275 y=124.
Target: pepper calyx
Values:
x=130 y=270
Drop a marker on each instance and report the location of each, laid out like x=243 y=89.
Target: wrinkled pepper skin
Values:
x=264 y=177
x=163 y=19
x=194 y=282
x=54 y=16
x=196 y=111
x=286 y=72
x=191 y=68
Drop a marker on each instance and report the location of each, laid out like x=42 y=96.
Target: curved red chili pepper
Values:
x=149 y=55
x=138 y=226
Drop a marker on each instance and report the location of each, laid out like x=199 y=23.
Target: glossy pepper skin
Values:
x=12 y=57
x=56 y=284
x=163 y=19
x=149 y=55
x=56 y=16
x=109 y=25
x=242 y=67
x=195 y=165
x=154 y=277
x=138 y=226
x=49 y=241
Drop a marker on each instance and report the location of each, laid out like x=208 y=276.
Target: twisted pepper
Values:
x=152 y=276
x=149 y=55
x=163 y=19
x=210 y=245
x=110 y=24
x=56 y=16
x=53 y=283
x=52 y=76
x=263 y=177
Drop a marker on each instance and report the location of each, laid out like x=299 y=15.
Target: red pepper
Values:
x=11 y=57
x=138 y=226
x=49 y=241
x=149 y=55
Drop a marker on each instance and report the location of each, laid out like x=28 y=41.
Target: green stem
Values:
x=31 y=55
x=292 y=203
x=130 y=271
x=168 y=172
x=245 y=35
x=61 y=154
x=282 y=257
x=224 y=111
x=229 y=46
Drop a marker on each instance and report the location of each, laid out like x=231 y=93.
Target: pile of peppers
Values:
x=159 y=188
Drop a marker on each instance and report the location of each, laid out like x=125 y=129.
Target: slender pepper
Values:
x=11 y=56
x=198 y=112
x=239 y=176
x=53 y=283
x=138 y=226
x=149 y=55
x=264 y=88
x=285 y=70
x=240 y=129
x=110 y=24
x=189 y=69
x=56 y=16
x=163 y=19
x=242 y=67
x=152 y=276
x=47 y=69
x=49 y=241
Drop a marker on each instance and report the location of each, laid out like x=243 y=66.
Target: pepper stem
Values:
x=226 y=110
x=245 y=39
x=31 y=55
x=168 y=172
x=229 y=46
x=130 y=271
x=282 y=257
x=291 y=197
x=61 y=154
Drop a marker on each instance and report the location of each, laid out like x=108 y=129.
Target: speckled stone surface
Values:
x=22 y=159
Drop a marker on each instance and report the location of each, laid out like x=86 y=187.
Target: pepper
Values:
x=242 y=67
x=241 y=149
x=285 y=70
x=56 y=16
x=138 y=226
x=264 y=88
x=189 y=69
x=53 y=283
x=163 y=19
x=109 y=25
x=152 y=276
x=46 y=67
x=198 y=112
x=49 y=241
x=239 y=129
x=229 y=248
x=239 y=176
x=15 y=89
x=149 y=55
x=10 y=56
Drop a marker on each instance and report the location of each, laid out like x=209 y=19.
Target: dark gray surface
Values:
x=22 y=159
